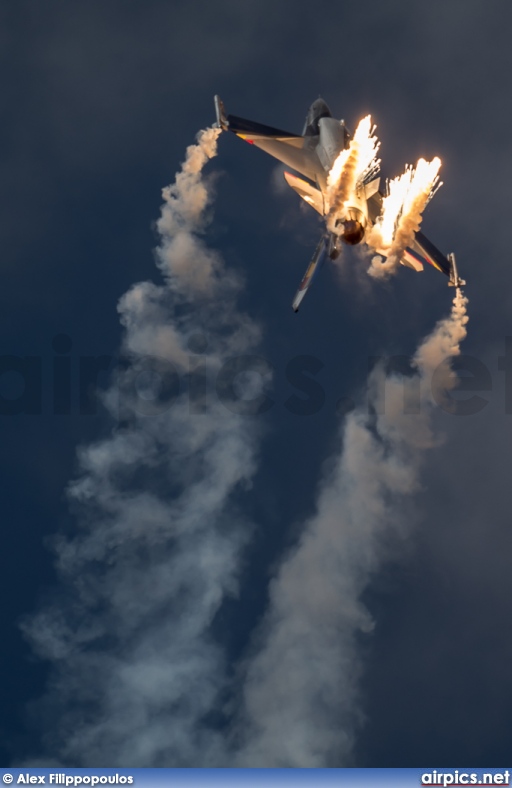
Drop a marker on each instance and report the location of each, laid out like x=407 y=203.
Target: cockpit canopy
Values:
x=317 y=110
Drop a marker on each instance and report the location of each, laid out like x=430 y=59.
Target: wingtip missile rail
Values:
x=455 y=280
x=222 y=121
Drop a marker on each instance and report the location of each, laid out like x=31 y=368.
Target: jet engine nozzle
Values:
x=353 y=232
x=353 y=227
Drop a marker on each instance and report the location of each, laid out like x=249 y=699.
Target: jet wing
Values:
x=307 y=191
x=423 y=251
x=246 y=128
x=283 y=145
x=431 y=254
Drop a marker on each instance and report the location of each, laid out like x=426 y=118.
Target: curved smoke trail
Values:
x=138 y=678
x=302 y=706
x=135 y=667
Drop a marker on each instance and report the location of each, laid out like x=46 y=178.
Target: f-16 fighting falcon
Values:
x=341 y=183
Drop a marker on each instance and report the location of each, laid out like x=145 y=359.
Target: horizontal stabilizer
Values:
x=307 y=191
x=412 y=259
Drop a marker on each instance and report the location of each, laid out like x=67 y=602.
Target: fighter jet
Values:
x=312 y=154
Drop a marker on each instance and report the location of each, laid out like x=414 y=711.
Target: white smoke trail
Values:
x=352 y=165
x=402 y=211
x=136 y=669
x=302 y=704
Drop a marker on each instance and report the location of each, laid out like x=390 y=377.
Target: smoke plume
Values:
x=138 y=676
x=302 y=703
x=135 y=667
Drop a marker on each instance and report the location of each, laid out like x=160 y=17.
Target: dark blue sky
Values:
x=99 y=103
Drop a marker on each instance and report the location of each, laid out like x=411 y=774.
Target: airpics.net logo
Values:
x=65 y=384
x=465 y=778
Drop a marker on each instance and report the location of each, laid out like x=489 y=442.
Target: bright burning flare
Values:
x=352 y=166
x=383 y=232
x=401 y=215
